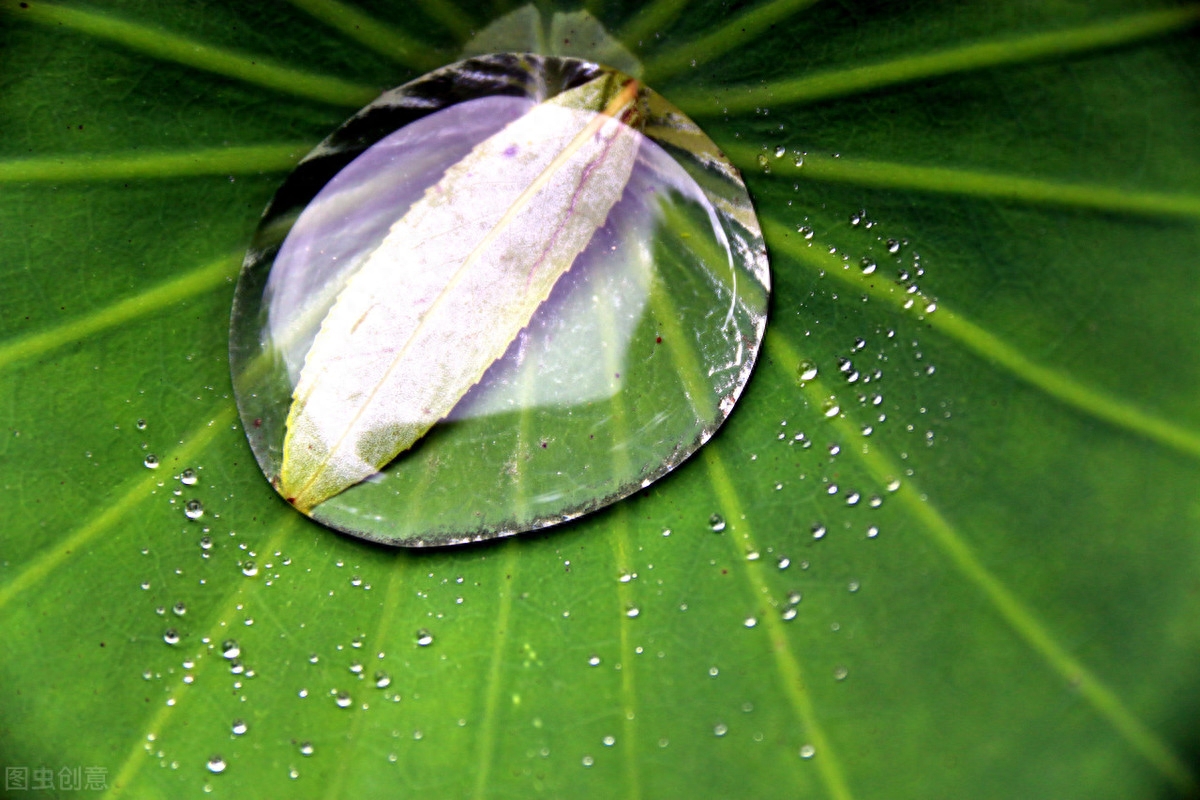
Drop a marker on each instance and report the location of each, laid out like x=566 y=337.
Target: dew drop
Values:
x=216 y=765
x=239 y=727
x=141 y=424
x=780 y=151
x=306 y=749
x=831 y=408
x=188 y=477
x=840 y=673
x=230 y=649
x=818 y=531
x=717 y=523
x=588 y=761
x=179 y=608
x=151 y=461
x=249 y=569
x=382 y=680
x=594 y=661
x=194 y=509
x=750 y=622
x=807 y=371
x=343 y=700
x=609 y=741
x=807 y=751
x=356 y=668
x=424 y=638
x=632 y=612
x=720 y=729
x=171 y=636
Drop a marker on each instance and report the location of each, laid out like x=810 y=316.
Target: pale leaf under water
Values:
x=453 y=283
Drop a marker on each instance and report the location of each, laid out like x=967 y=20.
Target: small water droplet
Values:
x=853 y=586
x=588 y=761
x=151 y=461
x=424 y=638
x=179 y=608
x=171 y=636
x=818 y=531
x=872 y=532
x=717 y=523
x=867 y=266
x=206 y=543
x=230 y=649
x=343 y=700
x=807 y=751
x=831 y=408
x=788 y=613
x=356 y=667
x=141 y=424
x=306 y=748
x=188 y=477
x=194 y=509
x=382 y=680
x=632 y=612
x=239 y=727
x=609 y=741
x=784 y=562
x=720 y=729
x=893 y=246
x=594 y=661
x=807 y=371
x=216 y=765
x=750 y=622
x=840 y=673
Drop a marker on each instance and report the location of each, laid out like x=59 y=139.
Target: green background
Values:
x=1023 y=625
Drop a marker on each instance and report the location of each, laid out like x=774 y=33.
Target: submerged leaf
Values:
x=453 y=283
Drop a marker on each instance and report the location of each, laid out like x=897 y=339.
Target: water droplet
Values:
x=720 y=729
x=306 y=748
x=343 y=700
x=179 y=608
x=788 y=613
x=356 y=667
x=784 y=562
x=194 y=509
x=588 y=761
x=807 y=371
x=249 y=569
x=171 y=636
x=852 y=498
x=313 y=658
x=840 y=673
x=893 y=246
x=632 y=612
x=239 y=727
x=763 y=162
x=818 y=531
x=867 y=266
x=151 y=461
x=424 y=638
x=853 y=586
x=206 y=543
x=293 y=773
x=287 y=289
x=872 y=532
x=750 y=622
x=216 y=765
x=713 y=672
x=230 y=649
x=382 y=680
x=594 y=661
x=609 y=741
x=893 y=484
x=140 y=424
x=716 y=522
x=188 y=477
x=831 y=408
x=807 y=751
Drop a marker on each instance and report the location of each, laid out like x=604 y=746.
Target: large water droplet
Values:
x=230 y=649
x=716 y=522
x=216 y=765
x=424 y=638
x=193 y=509
x=597 y=344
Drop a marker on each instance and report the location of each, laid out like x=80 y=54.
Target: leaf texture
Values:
x=453 y=283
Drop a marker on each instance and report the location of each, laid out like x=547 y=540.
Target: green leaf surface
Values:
x=1017 y=617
